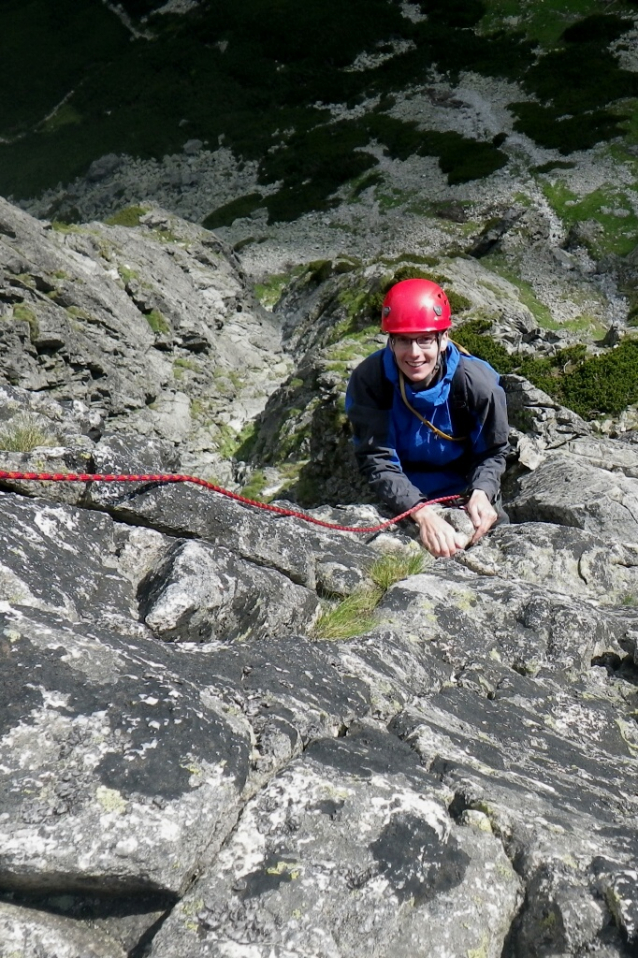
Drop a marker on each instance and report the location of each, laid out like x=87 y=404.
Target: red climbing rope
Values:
x=169 y=477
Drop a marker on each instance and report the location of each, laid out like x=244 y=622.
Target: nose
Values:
x=414 y=347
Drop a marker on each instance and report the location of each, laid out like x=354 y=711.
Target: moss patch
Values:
x=613 y=208
x=26 y=315
x=129 y=216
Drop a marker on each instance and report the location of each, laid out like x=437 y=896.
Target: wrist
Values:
x=421 y=515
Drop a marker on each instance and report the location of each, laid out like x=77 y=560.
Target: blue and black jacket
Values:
x=404 y=460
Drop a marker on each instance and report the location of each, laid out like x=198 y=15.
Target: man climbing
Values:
x=428 y=421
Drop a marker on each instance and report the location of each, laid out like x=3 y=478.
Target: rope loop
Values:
x=166 y=478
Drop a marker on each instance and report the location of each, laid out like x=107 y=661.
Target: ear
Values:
x=445 y=339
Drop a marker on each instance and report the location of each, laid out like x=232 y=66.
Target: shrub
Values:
x=237 y=209
x=589 y=385
x=471 y=335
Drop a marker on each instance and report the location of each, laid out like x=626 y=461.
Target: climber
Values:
x=429 y=421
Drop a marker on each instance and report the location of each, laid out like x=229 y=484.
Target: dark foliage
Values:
x=226 y=215
x=590 y=385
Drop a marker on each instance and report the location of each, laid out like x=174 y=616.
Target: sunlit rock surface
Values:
x=189 y=770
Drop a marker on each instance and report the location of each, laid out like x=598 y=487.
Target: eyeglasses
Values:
x=423 y=342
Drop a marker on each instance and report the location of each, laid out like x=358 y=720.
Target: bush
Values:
x=237 y=209
x=589 y=385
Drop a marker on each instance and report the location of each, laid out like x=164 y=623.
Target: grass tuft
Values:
x=157 y=322
x=355 y=614
x=24 y=434
x=392 y=567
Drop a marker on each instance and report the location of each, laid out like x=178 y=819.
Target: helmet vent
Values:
x=386 y=311
x=438 y=309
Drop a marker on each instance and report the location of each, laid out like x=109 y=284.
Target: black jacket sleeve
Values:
x=489 y=437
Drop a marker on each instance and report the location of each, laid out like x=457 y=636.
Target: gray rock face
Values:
x=154 y=329
x=188 y=771
x=201 y=593
x=356 y=854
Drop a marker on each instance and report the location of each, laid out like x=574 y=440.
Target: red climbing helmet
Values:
x=415 y=306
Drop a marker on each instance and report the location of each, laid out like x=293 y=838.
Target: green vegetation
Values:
x=542 y=314
x=180 y=366
x=129 y=216
x=611 y=207
x=63 y=114
x=270 y=291
x=255 y=486
x=157 y=322
x=354 y=615
x=77 y=312
x=254 y=67
x=575 y=84
x=392 y=567
x=237 y=209
x=543 y=23
x=126 y=273
x=24 y=434
x=61 y=227
x=363 y=303
x=26 y=315
x=590 y=385
x=236 y=445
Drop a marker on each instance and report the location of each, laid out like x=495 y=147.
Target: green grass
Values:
x=605 y=206
x=24 y=434
x=157 y=322
x=541 y=313
x=129 y=216
x=126 y=273
x=392 y=567
x=269 y=292
x=27 y=315
x=355 y=614
x=181 y=366
x=255 y=485
x=64 y=115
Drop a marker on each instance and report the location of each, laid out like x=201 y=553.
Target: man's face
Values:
x=417 y=354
